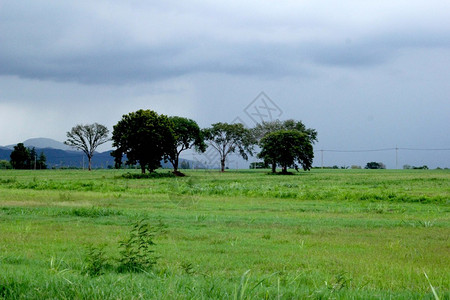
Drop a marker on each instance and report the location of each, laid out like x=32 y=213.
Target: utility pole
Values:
x=321 y=152
x=396 y=157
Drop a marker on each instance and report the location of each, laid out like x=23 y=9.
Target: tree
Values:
x=229 y=138
x=145 y=137
x=286 y=148
x=20 y=157
x=375 y=165
x=87 y=138
x=32 y=162
x=187 y=135
x=42 y=161
x=264 y=128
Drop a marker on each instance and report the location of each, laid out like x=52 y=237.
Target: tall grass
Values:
x=321 y=234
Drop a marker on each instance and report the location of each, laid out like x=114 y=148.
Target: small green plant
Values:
x=240 y=291
x=137 y=254
x=340 y=282
x=95 y=260
x=431 y=286
x=187 y=268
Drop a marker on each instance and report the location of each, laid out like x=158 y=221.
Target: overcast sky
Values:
x=365 y=74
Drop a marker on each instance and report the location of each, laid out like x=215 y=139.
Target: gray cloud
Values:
x=364 y=74
x=116 y=42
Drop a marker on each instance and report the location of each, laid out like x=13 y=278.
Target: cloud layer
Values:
x=365 y=74
x=116 y=42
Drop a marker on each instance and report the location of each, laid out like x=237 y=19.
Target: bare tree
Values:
x=87 y=138
x=229 y=138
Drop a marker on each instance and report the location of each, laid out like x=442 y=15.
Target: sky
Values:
x=367 y=75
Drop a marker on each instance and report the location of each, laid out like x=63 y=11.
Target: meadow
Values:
x=323 y=234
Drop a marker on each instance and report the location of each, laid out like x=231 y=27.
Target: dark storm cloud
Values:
x=116 y=43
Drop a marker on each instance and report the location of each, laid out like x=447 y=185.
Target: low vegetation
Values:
x=365 y=234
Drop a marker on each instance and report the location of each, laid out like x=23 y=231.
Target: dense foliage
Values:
x=187 y=135
x=375 y=165
x=26 y=158
x=145 y=137
x=287 y=148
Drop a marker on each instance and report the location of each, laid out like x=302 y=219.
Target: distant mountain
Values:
x=43 y=143
x=57 y=158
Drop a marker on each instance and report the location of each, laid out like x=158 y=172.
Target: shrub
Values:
x=137 y=254
x=4 y=164
x=95 y=261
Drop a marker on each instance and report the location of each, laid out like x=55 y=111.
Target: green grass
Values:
x=362 y=234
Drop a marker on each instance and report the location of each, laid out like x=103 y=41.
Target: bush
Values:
x=95 y=261
x=137 y=254
x=5 y=165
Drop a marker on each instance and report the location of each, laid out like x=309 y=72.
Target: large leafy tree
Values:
x=375 y=165
x=87 y=138
x=145 y=137
x=230 y=138
x=187 y=135
x=20 y=157
x=264 y=128
x=287 y=148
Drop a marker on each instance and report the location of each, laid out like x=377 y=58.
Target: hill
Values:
x=42 y=143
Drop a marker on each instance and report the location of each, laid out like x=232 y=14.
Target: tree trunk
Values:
x=222 y=163
x=274 y=167
x=284 y=170
x=175 y=163
x=143 y=169
x=89 y=164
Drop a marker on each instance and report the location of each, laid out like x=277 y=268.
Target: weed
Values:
x=266 y=236
x=340 y=281
x=239 y=291
x=58 y=266
x=95 y=260
x=436 y=297
x=187 y=268
x=137 y=254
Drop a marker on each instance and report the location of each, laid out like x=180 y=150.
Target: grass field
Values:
x=339 y=234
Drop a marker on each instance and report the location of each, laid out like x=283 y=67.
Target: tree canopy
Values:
x=145 y=137
x=230 y=138
x=87 y=138
x=287 y=148
x=186 y=135
x=265 y=128
x=375 y=165
x=20 y=157
x=26 y=158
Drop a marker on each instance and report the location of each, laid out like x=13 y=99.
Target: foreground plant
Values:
x=137 y=252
